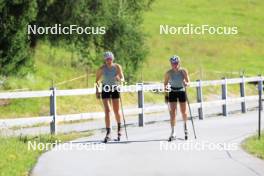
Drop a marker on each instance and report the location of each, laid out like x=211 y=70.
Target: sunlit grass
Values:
x=17 y=160
x=255 y=146
x=207 y=57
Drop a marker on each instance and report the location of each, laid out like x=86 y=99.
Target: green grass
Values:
x=19 y=127
x=210 y=53
x=255 y=146
x=205 y=56
x=17 y=160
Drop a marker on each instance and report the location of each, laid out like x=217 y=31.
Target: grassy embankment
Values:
x=205 y=56
x=17 y=160
x=255 y=146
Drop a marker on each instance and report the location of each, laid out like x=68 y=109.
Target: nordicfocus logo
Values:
x=58 y=29
x=197 y=146
x=134 y=88
x=68 y=146
x=191 y=29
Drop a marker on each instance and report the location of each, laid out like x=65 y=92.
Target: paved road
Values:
x=148 y=153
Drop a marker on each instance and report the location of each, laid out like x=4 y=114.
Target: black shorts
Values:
x=175 y=96
x=110 y=92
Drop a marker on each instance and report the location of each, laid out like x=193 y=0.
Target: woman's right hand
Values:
x=98 y=95
x=166 y=97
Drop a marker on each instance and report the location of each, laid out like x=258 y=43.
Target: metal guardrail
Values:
x=73 y=92
x=140 y=88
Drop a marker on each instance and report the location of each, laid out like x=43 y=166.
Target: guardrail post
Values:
x=53 y=113
x=140 y=104
x=224 y=97
x=260 y=92
x=199 y=91
x=243 y=94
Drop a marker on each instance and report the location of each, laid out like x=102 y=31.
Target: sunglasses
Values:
x=109 y=58
x=174 y=63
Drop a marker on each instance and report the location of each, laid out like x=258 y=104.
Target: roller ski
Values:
x=107 y=137
x=119 y=132
x=171 y=138
x=185 y=132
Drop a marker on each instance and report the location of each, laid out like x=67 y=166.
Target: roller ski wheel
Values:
x=119 y=137
x=185 y=135
x=171 y=138
x=107 y=139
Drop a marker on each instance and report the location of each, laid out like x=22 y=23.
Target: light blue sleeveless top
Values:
x=109 y=75
x=176 y=78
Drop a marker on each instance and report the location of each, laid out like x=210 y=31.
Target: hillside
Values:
x=205 y=56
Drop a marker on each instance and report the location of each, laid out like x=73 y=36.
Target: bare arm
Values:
x=166 y=87
x=186 y=77
x=166 y=82
x=99 y=73
x=120 y=74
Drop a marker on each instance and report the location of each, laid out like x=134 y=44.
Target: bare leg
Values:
x=173 y=108
x=116 y=108
x=106 y=103
x=183 y=107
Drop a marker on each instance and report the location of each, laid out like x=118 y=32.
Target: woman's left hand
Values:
x=117 y=77
x=185 y=83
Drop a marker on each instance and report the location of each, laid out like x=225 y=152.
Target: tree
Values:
x=14 y=44
x=124 y=36
x=122 y=19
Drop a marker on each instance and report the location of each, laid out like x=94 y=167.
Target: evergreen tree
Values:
x=122 y=19
x=15 y=54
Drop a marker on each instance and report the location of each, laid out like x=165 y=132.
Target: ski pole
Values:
x=168 y=105
x=190 y=113
x=124 y=120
